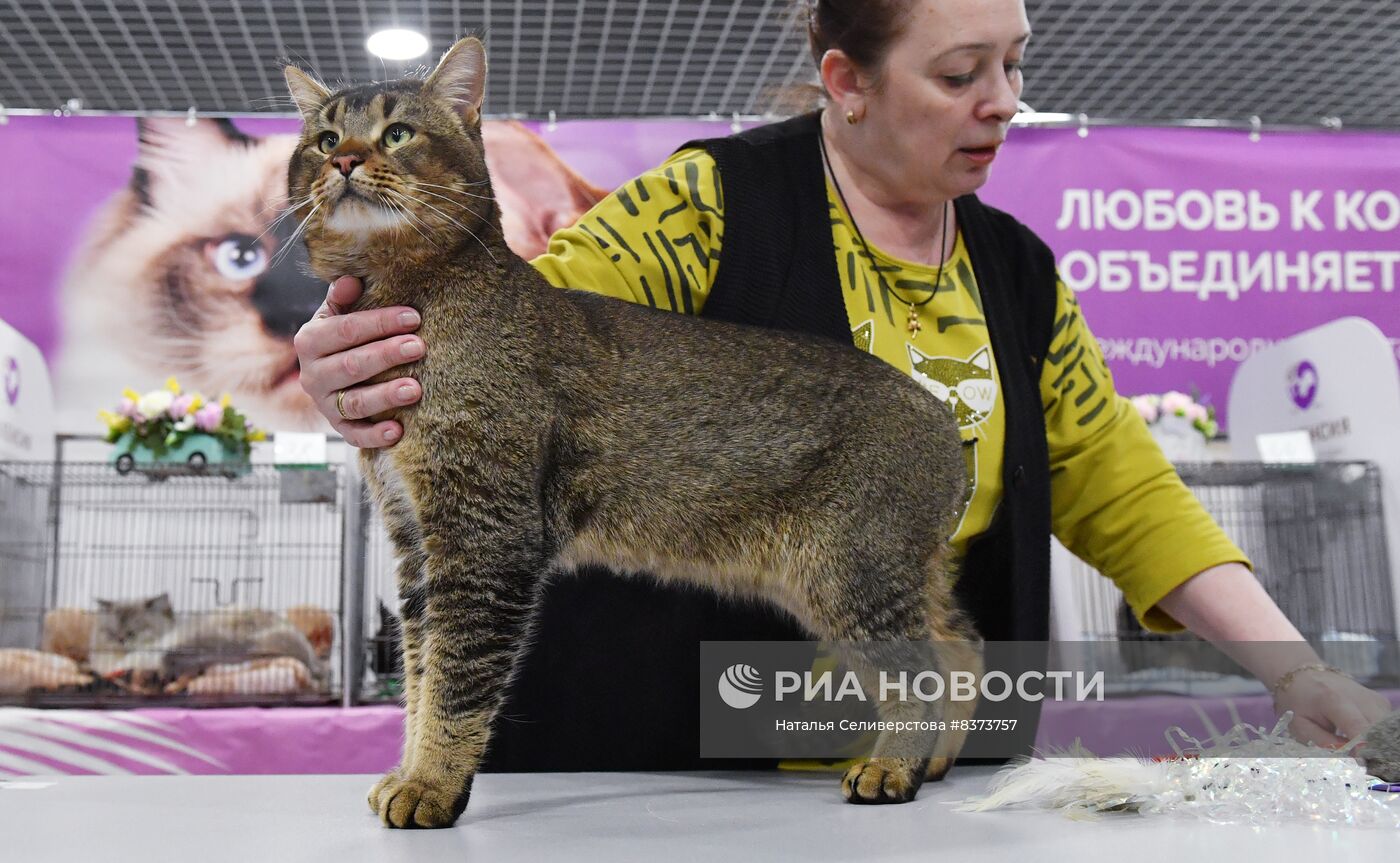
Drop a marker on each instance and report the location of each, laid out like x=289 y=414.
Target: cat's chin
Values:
x=359 y=218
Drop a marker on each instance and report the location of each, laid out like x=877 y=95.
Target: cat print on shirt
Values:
x=969 y=386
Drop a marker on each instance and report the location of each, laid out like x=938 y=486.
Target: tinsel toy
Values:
x=1246 y=775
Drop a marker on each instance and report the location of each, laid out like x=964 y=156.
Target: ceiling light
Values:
x=397 y=44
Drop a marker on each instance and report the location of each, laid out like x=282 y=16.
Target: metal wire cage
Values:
x=383 y=659
x=184 y=585
x=196 y=587
x=1315 y=534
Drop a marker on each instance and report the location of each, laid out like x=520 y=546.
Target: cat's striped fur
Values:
x=777 y=467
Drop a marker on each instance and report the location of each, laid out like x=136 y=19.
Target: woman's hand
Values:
x=1226 y=606
x=339 y=351
x=1325 y=703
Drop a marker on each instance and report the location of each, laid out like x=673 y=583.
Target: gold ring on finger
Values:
x=340 y=405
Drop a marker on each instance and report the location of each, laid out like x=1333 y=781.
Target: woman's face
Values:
x=947 y=92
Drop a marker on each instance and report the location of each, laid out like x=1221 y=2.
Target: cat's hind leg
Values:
x=953 y=647
x=957 y=648
x=878 y=609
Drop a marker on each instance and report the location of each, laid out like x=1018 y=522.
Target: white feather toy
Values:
x=1246 y=775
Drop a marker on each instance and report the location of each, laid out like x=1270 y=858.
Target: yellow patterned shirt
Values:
x=1116 y=501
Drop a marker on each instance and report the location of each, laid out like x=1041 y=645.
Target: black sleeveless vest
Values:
x=777 y=269
x=611 y=681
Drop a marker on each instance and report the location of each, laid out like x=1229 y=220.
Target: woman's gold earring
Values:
x=852 y=118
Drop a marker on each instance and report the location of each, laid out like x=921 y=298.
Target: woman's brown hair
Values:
x=863 y=29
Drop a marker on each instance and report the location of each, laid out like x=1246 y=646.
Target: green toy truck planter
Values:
x=197 y=455
x=167 y=432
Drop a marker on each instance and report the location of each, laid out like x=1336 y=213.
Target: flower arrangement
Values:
x=162 y=419
x=1156 y=409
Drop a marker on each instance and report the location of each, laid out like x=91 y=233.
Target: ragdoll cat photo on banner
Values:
x=186 y=270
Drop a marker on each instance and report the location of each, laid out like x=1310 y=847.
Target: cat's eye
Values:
x=397 y=135
x=328 y=141
x=238 y=257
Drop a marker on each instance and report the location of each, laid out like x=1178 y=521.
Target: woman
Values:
x=920 y=96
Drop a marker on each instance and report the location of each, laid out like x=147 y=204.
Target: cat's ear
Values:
x=162 y=140
x=171 y=152
x=460 y=78
x=309 y=94
x=104 y=604
x=160 y=604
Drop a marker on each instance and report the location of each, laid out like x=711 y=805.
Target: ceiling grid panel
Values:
x=1289 y=62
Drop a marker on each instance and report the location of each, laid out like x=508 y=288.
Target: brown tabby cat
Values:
x=777 y=467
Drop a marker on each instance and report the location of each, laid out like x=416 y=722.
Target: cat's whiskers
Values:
x=275 y=222
x=415 y=220
x=474 y=213
x=418 y=187
x=405 y=199
x=403 y=211
x=284 y=206
x=422 y=184
x=289 y=210
x=273 y=102
x=423 y=203
x=296 y=235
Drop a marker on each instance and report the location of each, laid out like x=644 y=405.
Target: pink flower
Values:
x=1146 y=407
x=209 y=417
x=181 y=406
x=1176 y=403
x=1197 y=413
x=127 y=407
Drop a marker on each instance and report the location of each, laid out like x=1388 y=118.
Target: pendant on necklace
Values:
x=914 y=325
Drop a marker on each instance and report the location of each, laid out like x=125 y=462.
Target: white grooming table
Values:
x=659 y=818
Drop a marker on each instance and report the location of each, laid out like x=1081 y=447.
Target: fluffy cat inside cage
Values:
x=778 y=467
x=145 y=637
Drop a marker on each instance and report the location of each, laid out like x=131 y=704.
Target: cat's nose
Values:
x=347 y=162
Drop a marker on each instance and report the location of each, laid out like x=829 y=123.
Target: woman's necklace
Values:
x=914 y=326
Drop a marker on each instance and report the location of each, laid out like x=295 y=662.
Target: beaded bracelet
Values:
x=1287 y=678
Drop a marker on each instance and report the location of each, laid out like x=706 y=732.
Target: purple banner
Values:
x=1190 y=249
x=138 y=249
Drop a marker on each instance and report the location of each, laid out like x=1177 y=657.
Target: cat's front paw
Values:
x=376 y=793
x=409 y=802
x=883 y=780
